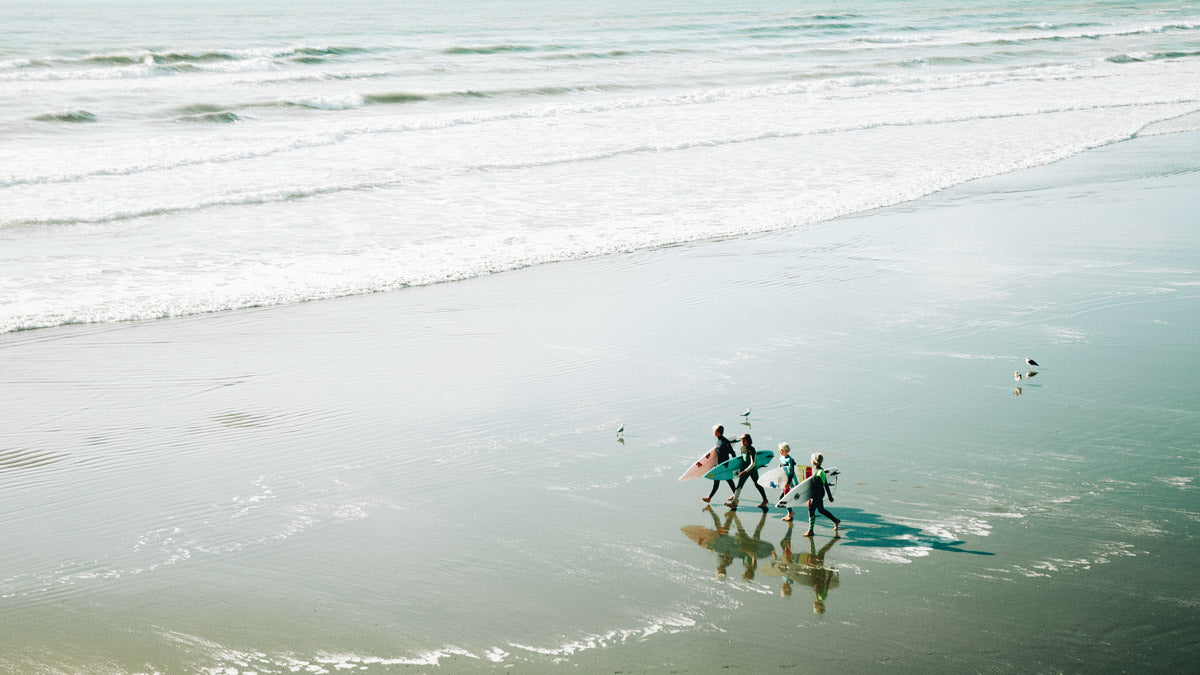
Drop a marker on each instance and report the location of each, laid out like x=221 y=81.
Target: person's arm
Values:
x=747 y=463
x=825 y=482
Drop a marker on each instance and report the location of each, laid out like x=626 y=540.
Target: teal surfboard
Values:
x=728 y=469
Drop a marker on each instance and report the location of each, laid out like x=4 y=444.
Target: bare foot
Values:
x=732 y=503
x=706 y=499
x=787 y=519
x=762 y=505
x=807 y=534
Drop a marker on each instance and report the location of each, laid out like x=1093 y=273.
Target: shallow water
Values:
x=433 y=477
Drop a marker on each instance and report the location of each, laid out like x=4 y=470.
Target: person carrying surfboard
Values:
x=788 y=464
x=725 y=452
x=749 y=472
x=816 y=504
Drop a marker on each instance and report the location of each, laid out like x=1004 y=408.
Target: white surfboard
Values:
x=701 y=466
x=774 y=479
x=799 y=495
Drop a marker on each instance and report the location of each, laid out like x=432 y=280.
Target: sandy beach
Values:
x=431 y=479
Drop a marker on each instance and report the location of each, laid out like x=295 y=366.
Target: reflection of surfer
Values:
x=750 y=545
x=822 y=578
x=819 y=491
x=724 y=451
x=785 y=564
x=748 y=473
x=806 y=568
x=724 y=557
x=750 y=548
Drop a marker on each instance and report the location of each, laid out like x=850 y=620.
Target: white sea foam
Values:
x=374 y=162
x=233 y=660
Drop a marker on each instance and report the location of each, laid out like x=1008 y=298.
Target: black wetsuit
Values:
x=724 y=452
x=817 y=503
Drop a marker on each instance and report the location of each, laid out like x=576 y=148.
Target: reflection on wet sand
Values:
x=749 y=547
x=807 y=569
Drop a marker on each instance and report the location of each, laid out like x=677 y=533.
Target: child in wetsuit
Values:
x=788 y=464
x=816 y=504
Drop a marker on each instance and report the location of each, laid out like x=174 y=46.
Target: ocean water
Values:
x=167 y=158
x=430 y=480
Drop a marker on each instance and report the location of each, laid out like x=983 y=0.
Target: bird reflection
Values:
x=1017 y=391
x=1031 y=373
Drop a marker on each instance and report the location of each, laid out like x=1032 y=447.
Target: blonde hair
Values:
x=817 y=458
x=785 y=446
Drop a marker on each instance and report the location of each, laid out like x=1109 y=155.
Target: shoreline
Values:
x=376 y=479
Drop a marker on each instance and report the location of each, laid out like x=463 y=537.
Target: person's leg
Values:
x=812 y=516
x=761 y=491
x=737 y=492
x=716 y=484
x=829 y=515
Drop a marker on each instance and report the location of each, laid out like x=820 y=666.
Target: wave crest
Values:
x=69 y=116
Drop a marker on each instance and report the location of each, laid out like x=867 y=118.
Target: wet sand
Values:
x=432 y=479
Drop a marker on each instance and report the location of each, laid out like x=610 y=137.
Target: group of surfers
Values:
x=816 y=505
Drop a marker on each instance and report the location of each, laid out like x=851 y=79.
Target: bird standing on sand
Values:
x=1017 y=375
x=1030 y=362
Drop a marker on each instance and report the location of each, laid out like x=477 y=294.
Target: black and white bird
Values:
x=621 y=430
x=747 y=413
x=1030 y=362
x=1017 y=375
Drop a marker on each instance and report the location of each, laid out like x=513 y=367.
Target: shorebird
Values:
x=1030 y=362
x=621 y=430
x=747 y=413
x=1017 y=375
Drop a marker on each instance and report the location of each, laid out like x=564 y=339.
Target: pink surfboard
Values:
x=701 y=466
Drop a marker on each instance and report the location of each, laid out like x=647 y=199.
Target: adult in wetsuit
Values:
x=749 y=473
x=724 y=450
